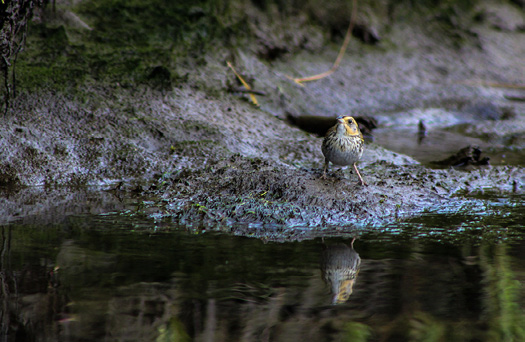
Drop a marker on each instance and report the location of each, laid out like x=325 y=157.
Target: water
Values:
x=453 y=275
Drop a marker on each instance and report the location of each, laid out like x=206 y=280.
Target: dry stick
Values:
x=244 y=83
x=250 y=91
x=339 y=56
x=514 y=98
x=494 y=84
x=5 y=72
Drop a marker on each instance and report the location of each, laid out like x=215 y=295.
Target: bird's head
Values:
x=349 y=124
x=342 y=291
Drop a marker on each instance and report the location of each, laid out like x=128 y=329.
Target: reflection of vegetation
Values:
x=424 y=327
x=356 y=332
x=173 y=331
x=505 y=317
x=181 y=286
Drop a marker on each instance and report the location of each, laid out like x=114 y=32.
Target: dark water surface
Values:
x=453 y=275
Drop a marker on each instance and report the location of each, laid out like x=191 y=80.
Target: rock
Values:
x=468 y=156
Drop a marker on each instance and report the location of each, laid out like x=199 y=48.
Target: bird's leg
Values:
x=325 y=168
x=359 y=175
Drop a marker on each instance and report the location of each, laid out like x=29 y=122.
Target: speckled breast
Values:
x=344 y=151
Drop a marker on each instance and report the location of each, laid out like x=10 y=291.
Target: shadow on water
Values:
x=454 y=276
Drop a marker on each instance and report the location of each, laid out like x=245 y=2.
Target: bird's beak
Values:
x=341 y=121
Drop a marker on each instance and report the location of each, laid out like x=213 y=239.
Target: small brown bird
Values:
x=343 y=145
x=340 y=265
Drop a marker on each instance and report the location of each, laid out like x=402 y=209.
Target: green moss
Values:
x=131 y=39
x=146 y=23
x=127 y=41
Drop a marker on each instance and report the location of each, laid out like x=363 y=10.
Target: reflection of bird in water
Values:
x=339 y=268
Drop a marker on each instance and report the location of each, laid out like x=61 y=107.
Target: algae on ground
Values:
x=132 y=90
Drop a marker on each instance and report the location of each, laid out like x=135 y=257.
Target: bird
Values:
x=340 y=265
x=343 y=145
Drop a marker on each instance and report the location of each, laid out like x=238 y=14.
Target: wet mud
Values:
x=210 y=157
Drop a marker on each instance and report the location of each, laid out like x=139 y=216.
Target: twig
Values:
x=494 y=84
x=248 y=91
x=514 y=98
x=339 y=56
x=245 y=84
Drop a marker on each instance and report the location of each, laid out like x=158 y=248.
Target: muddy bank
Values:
x=254 y=191
x=211 y=157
